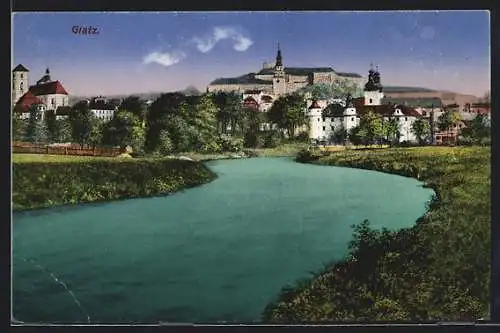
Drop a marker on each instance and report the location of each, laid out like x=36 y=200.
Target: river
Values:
x=218 y=252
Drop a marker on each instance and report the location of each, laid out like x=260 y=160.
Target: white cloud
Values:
x=165 y=59
x=241 y=42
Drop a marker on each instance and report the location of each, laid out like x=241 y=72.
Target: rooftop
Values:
x=49 y=88
x=20 y=68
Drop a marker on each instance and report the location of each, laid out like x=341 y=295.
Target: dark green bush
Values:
x=38 y=184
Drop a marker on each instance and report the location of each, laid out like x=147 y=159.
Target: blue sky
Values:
x=142 y=52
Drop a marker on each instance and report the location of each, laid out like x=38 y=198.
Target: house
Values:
x=102 y=108
x=326 y=118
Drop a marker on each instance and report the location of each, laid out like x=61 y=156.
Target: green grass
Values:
x=41 y=181
x=283 y=150
x=28 y=158
x=437 y=270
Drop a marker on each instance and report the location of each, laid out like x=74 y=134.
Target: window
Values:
x=352 y=118
x=319 y=119
x=53 y=101
x=323 y=128
x=22 y=76
x=277 y=81
x=323 y=119
x=406 y=118
x=331 y=126
x=371 y=101
x=424 y=113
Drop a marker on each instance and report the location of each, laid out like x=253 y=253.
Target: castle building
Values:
x=326 y=118
x=275 y=80
x=46 y=94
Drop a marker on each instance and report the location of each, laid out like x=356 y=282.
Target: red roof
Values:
x=250 y=102
x=26 y=101
x=388 y=110
x=54 y=87
x=315 y=105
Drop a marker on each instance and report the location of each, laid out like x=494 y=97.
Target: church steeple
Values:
x=45 y=78
x=279 y=71
x=279 y=59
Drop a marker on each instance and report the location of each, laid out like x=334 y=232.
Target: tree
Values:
x=228 y=106
x=165 y=145
x=358 y=135
x=392 y=130
x=421 y=129
x=161 y=109
x=51 y=123
x=340 y=135
x=372 y=128
x=36 y=129
x=125 y=129
x=447 y=120
x=18 y=128
x=477 y=131
x=63 y=130
x=338 y=89
x=81 y=123
x=288 y=113
x=96 y=132
x=134 y=105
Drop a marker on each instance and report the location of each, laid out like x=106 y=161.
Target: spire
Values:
x=47 y=71
x=279 y=60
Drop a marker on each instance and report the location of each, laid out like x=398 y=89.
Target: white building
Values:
x=45 y=94
x=102 y=108
x=326 y=118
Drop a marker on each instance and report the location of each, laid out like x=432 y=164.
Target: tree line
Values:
x=215 y=122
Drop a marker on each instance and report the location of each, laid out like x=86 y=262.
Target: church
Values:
x=327 y=117
x=45 y=94
x=275 y=80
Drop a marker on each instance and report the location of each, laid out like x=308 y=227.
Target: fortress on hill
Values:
x=276 y=80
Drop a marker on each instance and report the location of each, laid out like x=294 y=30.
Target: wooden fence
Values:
x=73 y=149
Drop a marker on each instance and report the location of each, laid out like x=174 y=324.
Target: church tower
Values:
x=279 y=79
x=19 y=82
x=373 y=88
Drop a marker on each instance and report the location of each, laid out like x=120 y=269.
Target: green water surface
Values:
x=218 y=252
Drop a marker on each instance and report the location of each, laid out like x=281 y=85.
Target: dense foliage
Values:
x=437 y=270
x=46 y=184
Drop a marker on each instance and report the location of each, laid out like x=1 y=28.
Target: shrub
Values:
x=272 y=139
x=230 y=144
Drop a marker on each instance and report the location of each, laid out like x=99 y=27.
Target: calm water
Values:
x=219 y=252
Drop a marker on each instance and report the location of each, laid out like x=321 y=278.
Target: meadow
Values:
x=437 y=270
x=42 y=181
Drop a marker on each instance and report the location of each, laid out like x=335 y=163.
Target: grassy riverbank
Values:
x=46 y=180
x=437 y=270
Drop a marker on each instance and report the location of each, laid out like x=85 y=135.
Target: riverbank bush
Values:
x=38 y=184
x=437 y=270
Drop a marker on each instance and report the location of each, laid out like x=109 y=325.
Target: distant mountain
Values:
x=390 y=89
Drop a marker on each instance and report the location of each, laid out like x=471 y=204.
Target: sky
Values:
x=139 y=52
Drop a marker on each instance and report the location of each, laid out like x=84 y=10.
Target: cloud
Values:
x=165 y=59
x=241 y=42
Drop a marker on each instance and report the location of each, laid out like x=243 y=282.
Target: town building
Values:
x=275 y=80
x=102 y=108
x=45 y=94
x=328 y=117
